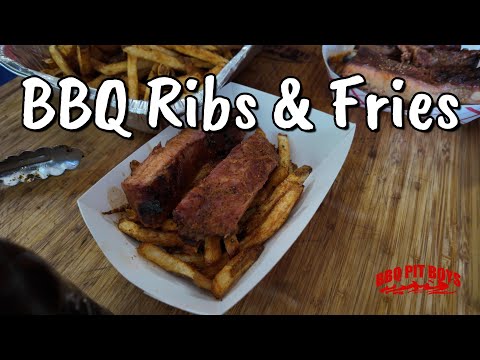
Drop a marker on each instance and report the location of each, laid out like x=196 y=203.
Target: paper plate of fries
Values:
x=212 y=279
x=134 y=64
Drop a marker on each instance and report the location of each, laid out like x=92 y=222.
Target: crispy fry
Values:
x=284 y=150
x=231 y=245
x=156 y=56
x=60 y=61
x=211 y=270
x=213 y=250
x=52 y=72
x=173 y=264
x=213 y=48
x=167 y=239
x=216 y=69
x=132 y=77
x=234 y=269
x=184 y=78
x=191 y=249
x=161 y=49
x=196 y=260
x=169 y=225
x=83 y=58
x=296 y=178
x=67 y=51
x=131 y=215
x=199 y=53
x=95 y=83
x=164 y=70
x=278 y=175
x=151 y=75
x=275 y=219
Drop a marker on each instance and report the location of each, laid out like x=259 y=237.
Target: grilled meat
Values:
x=216 y=205
x=158 y=184
x=427 y=68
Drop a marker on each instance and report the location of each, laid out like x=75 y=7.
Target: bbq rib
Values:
x=432 y=69
x=216 y=205
x=157 y=185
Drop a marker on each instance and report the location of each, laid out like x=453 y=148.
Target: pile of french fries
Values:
x=136 y=64
x=217 y=264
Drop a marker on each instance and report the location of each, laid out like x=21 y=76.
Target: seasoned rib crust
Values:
x=431 y=69
x=216 y=205
x=158 y=184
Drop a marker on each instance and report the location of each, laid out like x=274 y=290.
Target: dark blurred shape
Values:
x=28 y=286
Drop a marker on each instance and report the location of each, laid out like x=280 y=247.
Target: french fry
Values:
x=284 y=150
x=196 y=260
x=151 y=75
x=131 y=215
x=184 y=78
x=200 y=63
x=199 y=53
x=216 y=69
x=164 y=70
x=298 y=177
x=84 y=60
x=168 y=225
x=278 y=175
x=67 y=51
x=213 y=48
x=213 y=250
x=234 y=269
x=161 y=49
x=146 y=235
x=231 y=245
x=156 y=56
x=132 y=77
x=95 y=83
x=110 y=69
x=52 y=72
x=172 y=264
x=275 y=219
x=211 y=270
x=60 y=61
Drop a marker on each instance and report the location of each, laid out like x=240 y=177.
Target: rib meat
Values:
x=431 y=69
x=158 y=184
x=216 y=205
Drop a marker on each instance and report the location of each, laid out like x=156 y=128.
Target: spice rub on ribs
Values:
x=158 y=184
x=216 y=205
x=434 y=69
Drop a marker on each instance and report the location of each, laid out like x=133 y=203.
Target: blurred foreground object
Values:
x=28 y=286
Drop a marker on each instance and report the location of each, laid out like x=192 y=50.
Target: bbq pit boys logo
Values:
x=289 y=112
x=438 y=280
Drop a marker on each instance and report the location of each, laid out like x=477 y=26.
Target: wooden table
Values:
x=402 y=197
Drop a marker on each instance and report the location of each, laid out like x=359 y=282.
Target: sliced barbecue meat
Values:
x=431 y=70
x=158 y=184
x=216 y=205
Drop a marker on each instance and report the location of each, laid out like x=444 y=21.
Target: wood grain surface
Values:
x=402 y=197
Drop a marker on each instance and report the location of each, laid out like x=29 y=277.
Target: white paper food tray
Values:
x=325 y=150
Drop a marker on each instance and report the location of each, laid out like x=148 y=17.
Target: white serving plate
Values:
x=325 y=150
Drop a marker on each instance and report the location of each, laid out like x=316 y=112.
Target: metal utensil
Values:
x=38 y=164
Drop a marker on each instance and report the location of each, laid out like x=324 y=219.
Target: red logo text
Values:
x=416 y=279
